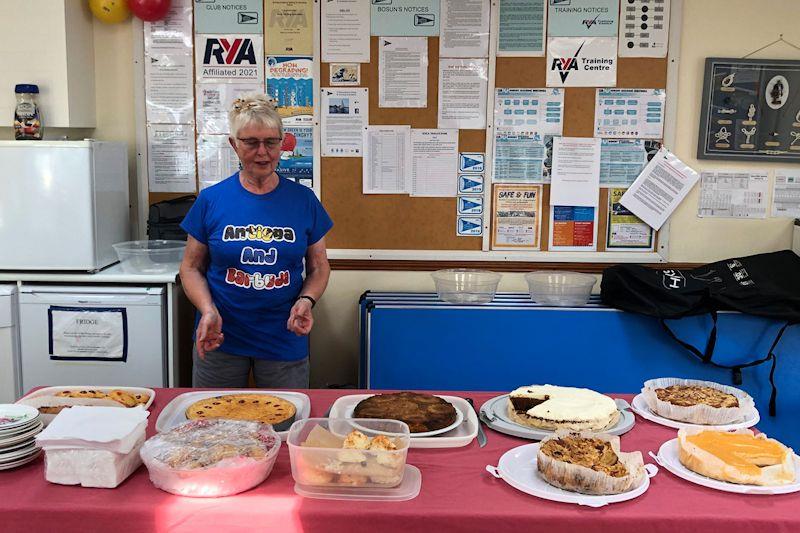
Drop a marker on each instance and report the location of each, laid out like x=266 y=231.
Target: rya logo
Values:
x=229 y=52
x=590 y=22
x=565 y=65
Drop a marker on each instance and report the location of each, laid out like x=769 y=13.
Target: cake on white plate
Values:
x=551 y=407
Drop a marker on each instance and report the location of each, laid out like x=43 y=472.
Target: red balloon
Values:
x=289 y=142
x=149 y=10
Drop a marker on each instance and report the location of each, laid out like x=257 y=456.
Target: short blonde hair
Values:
x=254 y=109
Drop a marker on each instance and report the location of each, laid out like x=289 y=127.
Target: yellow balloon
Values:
x=110 y=11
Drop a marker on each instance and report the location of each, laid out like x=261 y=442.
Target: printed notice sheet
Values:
x=516 y=220
x=464 y=28
x=289 y=27
x=522 y=28
x=216 y=159
x=408 y=18
x=290 y=83
x=575 y=180
x=519 y=156
x=170 y=158
x=168 y=88
x=403 y=71
x=345 y=31
x=786 y=193
x=214 y=100
x=462 y=93
x=387 y=160
x=625 y=230
x=540 y=110
x=173 y=33
x=621 y=161
x=662 y=185
x=629 y=113
x=733 y=194
x=644 y=28
x=345 y=114
x=573 y=228
x=88 y=333
x=582 y=18
x=434 y=162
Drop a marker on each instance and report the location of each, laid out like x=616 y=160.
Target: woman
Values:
x=242 y=270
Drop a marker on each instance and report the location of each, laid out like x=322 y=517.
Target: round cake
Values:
x=262 y=408
x=422 y=412
x=550 y=407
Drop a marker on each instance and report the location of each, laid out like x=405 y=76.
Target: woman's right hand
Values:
x=209 y=333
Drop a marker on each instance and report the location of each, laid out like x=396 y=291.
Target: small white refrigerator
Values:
x=9 y=345
x=93 y=335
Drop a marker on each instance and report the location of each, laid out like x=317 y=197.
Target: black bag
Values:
x=766 y=285
x=165 y=217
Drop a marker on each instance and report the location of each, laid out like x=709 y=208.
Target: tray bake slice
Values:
x=422 y=412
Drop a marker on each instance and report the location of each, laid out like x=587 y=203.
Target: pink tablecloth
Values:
x=457 y=494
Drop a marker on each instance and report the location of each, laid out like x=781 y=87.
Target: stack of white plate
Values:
x=19 y=425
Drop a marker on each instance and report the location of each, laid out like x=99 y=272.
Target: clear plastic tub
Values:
x=325 y=462
x=563 y=289
x=466 y=286
x=150 y=257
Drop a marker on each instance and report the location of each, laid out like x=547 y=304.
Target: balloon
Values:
x=149 y=10
x=289 y=142
x=110 y=11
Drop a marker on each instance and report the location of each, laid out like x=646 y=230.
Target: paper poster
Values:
x=216 y=159
x=289 y=27
x=644 y=28
x=463 y=84
x=470 y=184
x=731 y=194
x=465 y=28
x=173 y=33
x=345 y=74
x=621 y=161
x=582 y=18
x=469 y=205
x=170 y=158
x=290 y=83
x=625 y=231
x=297 y=154
x=519 y=156
x=469 y=226
x=786 y=193
x=229 y=16
x=344 y=114
x=386 y=164
x=471 y=162
x=573 y=228
x=540 y=110
x=575 y=179
x=229 y=58
x=581 y=62
x=522 y=27
x=403 y=72
x=434 y=162
x=345 y=31
x=662 y=185
x=214 y=101
x=516 y=217
x=411 y=18
x=169 y=94
x=629 y=113
x=88 y=334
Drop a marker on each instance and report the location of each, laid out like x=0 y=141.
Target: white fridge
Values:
x=9 y=345
x=93 y=335
x=62 y=204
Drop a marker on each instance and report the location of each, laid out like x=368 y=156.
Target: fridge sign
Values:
x=229 y=58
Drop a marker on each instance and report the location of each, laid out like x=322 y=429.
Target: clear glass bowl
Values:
x=150 y=257
x=466 y=286
x=559 y=288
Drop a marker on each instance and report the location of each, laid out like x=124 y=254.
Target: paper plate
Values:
x=459 y=420
x=518 y=468
x=668 y=458
x=495 y=414
x=13 y=416
x=640 y=407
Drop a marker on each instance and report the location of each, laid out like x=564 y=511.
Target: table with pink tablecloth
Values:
x=457 y=494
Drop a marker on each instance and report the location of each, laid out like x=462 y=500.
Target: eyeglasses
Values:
x=253 y=144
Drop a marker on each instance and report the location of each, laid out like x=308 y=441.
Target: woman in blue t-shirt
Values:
x=243 y=267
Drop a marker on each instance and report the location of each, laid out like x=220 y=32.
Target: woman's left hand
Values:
x=300 y=318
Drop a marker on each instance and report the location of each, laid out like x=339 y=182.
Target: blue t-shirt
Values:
x=256 y=245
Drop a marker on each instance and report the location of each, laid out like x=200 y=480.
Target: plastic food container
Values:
x=559 y=288
x=211 y=458
x=150 y=257
x=466 y=286
x=326 y=463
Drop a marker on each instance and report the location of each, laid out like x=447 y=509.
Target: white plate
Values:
x=668 y=458
x=459 y=419
x=494 y=413
x=518 y=468
x=26 y=460
x=640 y=407
x=30 y=399
x=15 y=439
x=460 y=435
x=20 y=454
x=174 y=414
x=13 y=416
x=21 y=429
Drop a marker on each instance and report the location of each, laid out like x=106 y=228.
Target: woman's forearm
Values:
x=316 y=280
x=196 y=288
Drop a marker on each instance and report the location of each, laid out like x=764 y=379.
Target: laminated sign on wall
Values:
x=88 y=333
x=229 y=58
x=582 y=62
